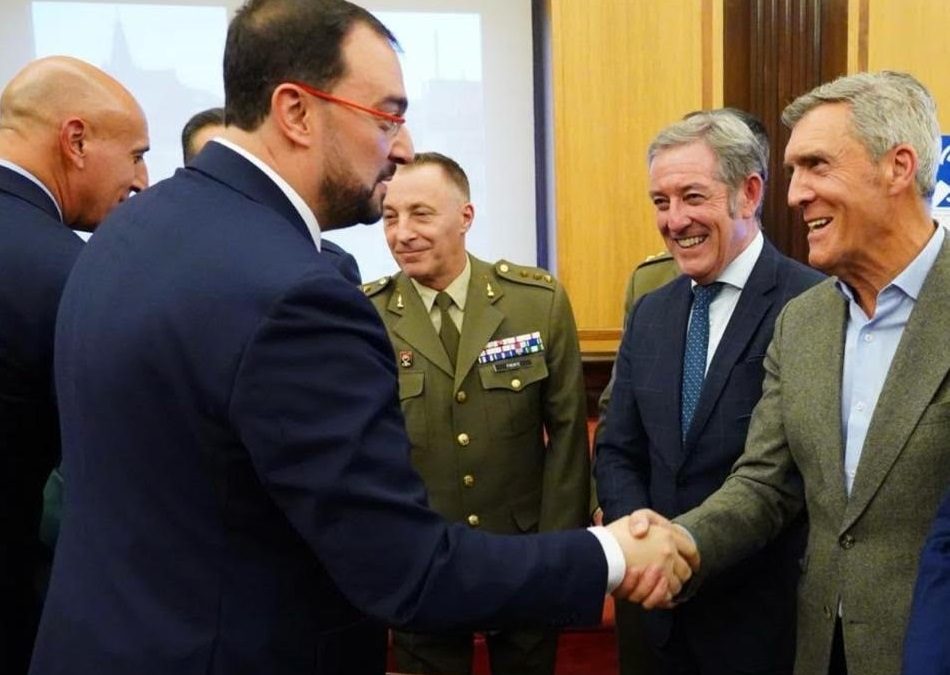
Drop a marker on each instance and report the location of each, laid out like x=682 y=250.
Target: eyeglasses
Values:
x=391 y=123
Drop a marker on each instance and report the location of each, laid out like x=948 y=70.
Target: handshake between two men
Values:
x=660 y=558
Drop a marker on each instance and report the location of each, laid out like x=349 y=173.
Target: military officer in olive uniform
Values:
x=491 y=387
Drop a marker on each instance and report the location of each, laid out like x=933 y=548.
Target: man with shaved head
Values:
x=71 y=147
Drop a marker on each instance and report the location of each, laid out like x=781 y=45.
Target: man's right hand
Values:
x=660 y=558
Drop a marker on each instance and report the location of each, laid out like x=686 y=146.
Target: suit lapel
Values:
x=920 y=365
x=413 y=324
x=481 y=319
x=754 y=302
x=823 y=368
x=671 y=329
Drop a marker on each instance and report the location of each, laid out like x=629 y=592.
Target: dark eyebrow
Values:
x=400 y=103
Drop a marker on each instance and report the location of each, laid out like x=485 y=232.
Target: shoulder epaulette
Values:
x=533 y=276
x=661 y=257
x=373 y=287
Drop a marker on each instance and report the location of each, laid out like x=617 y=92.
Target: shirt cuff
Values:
x=616 y=563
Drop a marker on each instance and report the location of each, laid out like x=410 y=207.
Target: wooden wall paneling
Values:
x=789 y=47
x=911 y=35
x=621 y=70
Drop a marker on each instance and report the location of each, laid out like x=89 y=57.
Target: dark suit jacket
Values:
x=36 y=253
x=239 y=478
x=927 y=645
x=745 y=620
x=342 y=260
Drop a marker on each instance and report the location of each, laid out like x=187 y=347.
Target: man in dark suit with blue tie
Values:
x=71 y=146
x=688 y=373
x=239 y=481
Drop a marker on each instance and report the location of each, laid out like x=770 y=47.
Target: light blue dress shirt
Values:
x=869 y=347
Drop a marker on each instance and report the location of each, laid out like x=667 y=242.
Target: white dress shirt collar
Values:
x=737 y=272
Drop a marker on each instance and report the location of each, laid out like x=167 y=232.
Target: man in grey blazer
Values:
x=855 y=413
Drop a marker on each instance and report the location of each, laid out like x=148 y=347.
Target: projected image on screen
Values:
x=168 y=56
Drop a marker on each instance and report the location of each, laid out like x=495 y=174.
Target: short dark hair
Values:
x=198 y=121
x=452 y=170
x=274 y=41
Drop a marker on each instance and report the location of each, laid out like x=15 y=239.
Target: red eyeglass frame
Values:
x=395 y=119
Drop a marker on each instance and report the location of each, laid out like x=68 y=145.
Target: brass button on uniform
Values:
x=846 y=541
x=503 y=267
x=516 y=384
x=463 y=439
x=468 y=480
x=473 y=520
x=461 y=397
x=827 y=612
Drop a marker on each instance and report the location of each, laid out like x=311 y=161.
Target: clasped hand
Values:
x=660 y=558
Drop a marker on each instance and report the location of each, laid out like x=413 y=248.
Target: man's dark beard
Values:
x=346 y=203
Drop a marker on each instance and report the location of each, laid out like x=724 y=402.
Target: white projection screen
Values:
x=467 y=67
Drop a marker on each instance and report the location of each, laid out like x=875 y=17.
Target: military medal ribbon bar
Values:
x=511 y=347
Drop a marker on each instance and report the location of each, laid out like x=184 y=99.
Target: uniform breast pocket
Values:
x=413 y=403
x=513 y=392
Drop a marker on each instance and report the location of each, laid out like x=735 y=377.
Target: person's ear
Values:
x=900 y=168
x=750 y=196
x=292 y=114
x=73 y=138
x=468 y=216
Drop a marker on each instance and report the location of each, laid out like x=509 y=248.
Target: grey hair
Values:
x=887 y=108
x=738 y=152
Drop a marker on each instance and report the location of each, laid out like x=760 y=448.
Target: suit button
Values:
x=463 y=439
x=468 y=480
x=461 y=397
x=846 y=541
x=827 y=612
x=516 y=384
x=473 y=520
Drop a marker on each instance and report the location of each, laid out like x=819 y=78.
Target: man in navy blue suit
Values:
x=927 y=646
x=239 y=481
x=687 y=377
x=71 y=146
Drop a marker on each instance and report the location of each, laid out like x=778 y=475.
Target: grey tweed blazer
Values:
x=862 y=551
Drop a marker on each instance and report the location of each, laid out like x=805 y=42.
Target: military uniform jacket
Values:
x=478 y=431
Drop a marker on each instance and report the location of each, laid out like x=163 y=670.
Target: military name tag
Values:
x=511 y=347
x=505 y=366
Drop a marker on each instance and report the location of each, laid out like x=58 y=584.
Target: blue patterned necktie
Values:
x=694 y=358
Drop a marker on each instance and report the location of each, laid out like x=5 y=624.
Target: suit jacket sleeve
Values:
x=315 y=403
x=622 y=465
x=763 y=493
x=927 y=646
x=566 y=485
